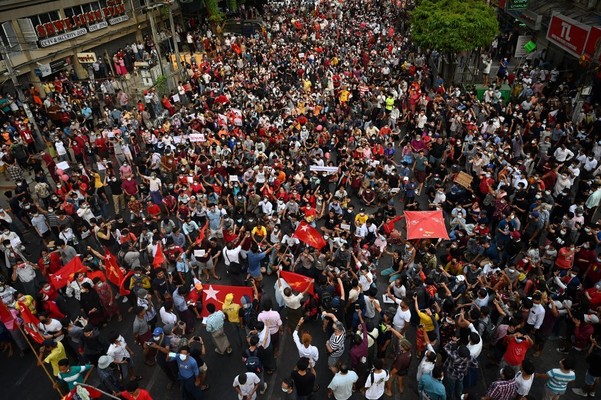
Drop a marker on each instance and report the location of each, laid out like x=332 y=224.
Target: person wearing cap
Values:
x=109 y=380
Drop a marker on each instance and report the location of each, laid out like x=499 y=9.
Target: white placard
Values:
x=234 y=178
x=63 y=165
x=15 y=242
x=319 y=168
x=197 y=137
x=387 y=300
x=177 y=139
x=189 y=179
x=346 y=227
x=199 y=253
x=100 y=166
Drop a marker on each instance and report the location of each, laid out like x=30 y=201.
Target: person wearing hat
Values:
x=109 y=380
x=160 y=344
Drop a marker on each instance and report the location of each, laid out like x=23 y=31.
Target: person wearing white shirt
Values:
x=563 y=154
x=524 y=378
x=376 y=381
x=121 y=354
x=537 y=313
x=366 y=278
x=427 y=363
x=246 y=385
x=305 y=347
x=402 y=317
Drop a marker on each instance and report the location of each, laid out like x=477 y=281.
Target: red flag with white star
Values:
x=30 y=322
x=297 y=282
x=7 y=317
x=63 y=276
x=309 y=235
x=113 y=271
x=215 y=294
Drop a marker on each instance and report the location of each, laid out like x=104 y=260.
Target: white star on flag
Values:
x=58 y=277
x=304 y=228
x=211 y=293
x=107 y=257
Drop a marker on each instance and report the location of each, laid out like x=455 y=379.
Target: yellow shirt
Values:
x=426 y=321
x=57 y=354
x=98 y=181
x=361 y=219
x=232 y=310
x=344 y=96
x=259 y=231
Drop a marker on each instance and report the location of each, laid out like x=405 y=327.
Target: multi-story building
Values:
x=42 y=38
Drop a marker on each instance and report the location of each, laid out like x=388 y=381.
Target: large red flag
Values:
x=123 y=291
x=65 y=275
x=215 y=294
x=159 y=257
x=309 y=235
x=426 y=225
x=92 y=392
x=30 y=322
x=6 y=317
x=113 y=272
x=297 y=282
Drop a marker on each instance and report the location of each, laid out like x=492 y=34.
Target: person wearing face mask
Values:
x=115 y=185
x=189 y=372
x=565 y=258
x=130 y=187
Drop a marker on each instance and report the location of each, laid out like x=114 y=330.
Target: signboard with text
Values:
x=64 y=29
x=516 y=4
x=568 y=34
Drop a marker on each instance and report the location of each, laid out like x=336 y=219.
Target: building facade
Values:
x=43 y=38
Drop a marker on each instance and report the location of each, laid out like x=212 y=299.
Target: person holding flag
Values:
x=294 y=310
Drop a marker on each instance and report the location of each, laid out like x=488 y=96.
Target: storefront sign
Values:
x=63 y=37
x=53 y=67
x=68 y=28
x=568 y=34
x=517 y=4
x=86 y=58
x=532 y=19
x=98 y=26
x=593 y=43
x=520 y=51
x=118 y=20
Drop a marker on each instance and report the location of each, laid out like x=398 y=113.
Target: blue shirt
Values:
x=254 y=262
x=187 y=369
x=433 y=388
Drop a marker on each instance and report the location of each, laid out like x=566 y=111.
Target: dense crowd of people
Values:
x=330 y=117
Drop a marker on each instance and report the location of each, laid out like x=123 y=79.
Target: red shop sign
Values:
x=594 y=39
x=568 y=34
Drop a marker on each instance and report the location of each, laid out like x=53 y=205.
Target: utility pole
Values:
x=173 y=36
x=13 y=77
x=153 y=28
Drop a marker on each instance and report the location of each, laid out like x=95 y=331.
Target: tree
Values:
x=452 y=26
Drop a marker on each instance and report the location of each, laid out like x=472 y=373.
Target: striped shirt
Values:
x=558 y=380
x=337 y=344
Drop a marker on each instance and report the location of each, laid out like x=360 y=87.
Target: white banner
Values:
x=197 y=137
x=318 y=168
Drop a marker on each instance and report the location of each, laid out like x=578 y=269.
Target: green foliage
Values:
x=161 y=85
x=453 y=25
x=215 y=15
x=232 y=5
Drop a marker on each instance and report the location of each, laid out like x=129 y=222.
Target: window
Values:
x=45 y=18
x=8 y=36
x=71 y=11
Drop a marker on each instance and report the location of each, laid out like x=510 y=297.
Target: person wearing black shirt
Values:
x=161 y=285
x=118 y=197
x=303 y=378
x=437 y=151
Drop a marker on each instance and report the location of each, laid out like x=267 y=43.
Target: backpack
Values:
x=253 y=362
x=326 y=300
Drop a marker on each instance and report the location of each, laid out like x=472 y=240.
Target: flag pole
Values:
x=37 y=356
x=85 y=385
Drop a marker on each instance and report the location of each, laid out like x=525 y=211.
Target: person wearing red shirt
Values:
x=592 y=273
x=133 y=392
x=594 y=295
x=170 y=204
x=49 y=262
x=153 y=210
x=486 y=183
x=130 y=187
x=565 y=258
x=194 y=299
x=517 y=347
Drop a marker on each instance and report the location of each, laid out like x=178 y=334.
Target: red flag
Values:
x=123 y=291
x=92 y=391
x=309 y=235
x=297 y=282
x=96 y=274
x=215 y=294
x=65 y=275
x=159 y=257
x=113 y=272
x=202 y=233
x=30 y=322
x=6 y=317
x=425 y=225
